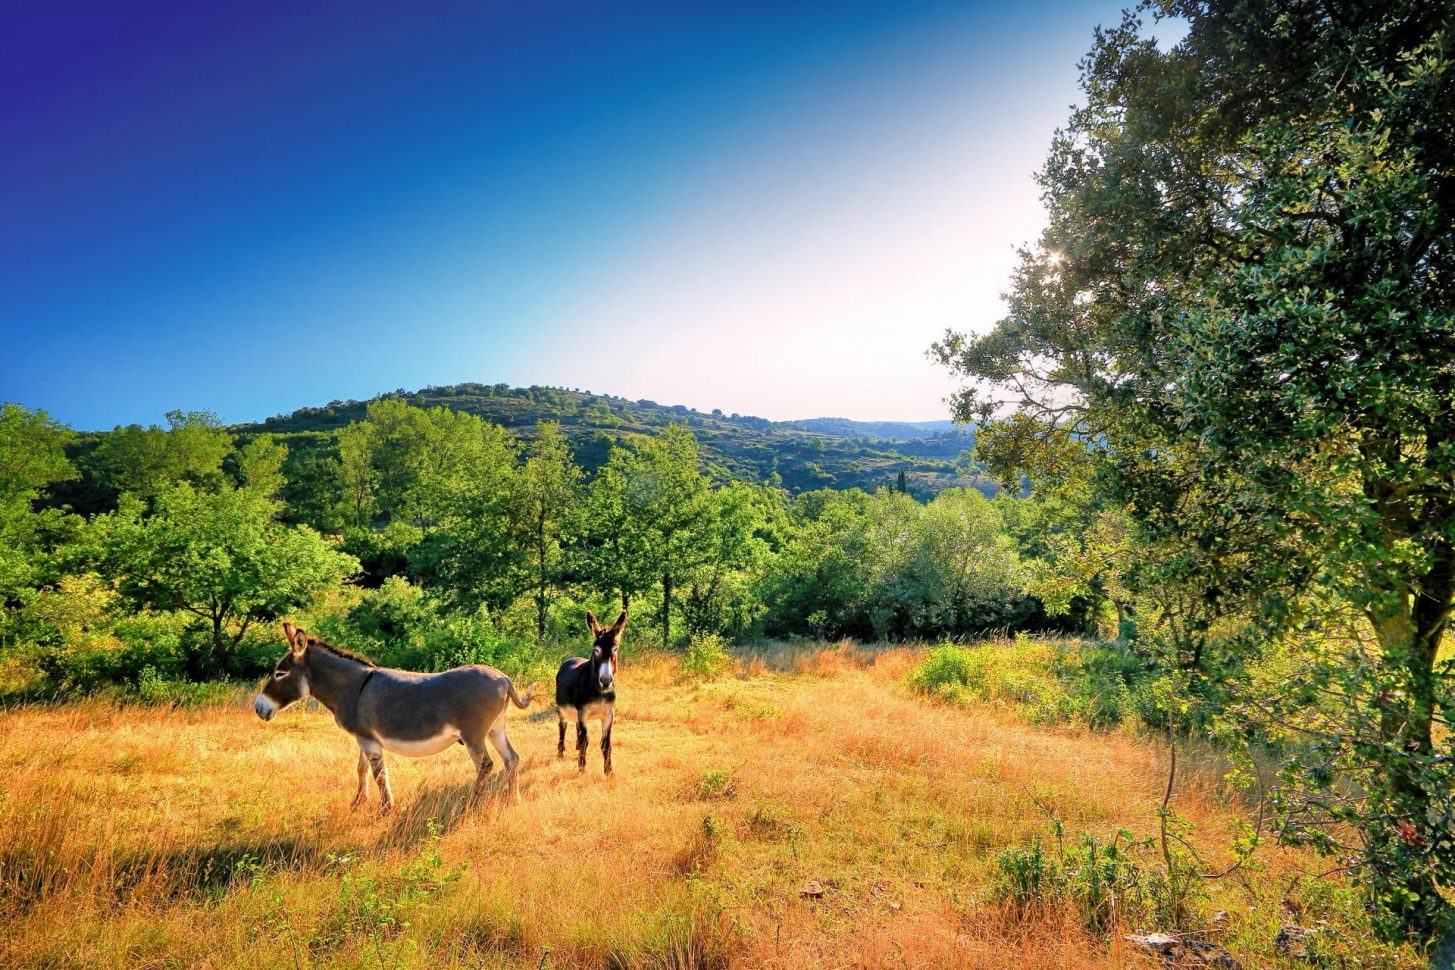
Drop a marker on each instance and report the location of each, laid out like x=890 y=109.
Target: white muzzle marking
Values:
x=603 y=673
x=265 y=708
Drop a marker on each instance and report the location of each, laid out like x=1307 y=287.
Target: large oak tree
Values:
x=1246 y=293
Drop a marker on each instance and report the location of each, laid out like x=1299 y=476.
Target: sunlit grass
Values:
x=804 y=810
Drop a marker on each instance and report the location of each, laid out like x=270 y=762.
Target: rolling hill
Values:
x=803 y=455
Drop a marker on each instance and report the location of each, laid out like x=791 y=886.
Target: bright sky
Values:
x=770 y=208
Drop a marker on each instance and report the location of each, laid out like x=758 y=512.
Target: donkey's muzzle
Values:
x=265 y=708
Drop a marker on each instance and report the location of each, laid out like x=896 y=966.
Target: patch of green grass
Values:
x=1049 y=682
x=715 y=783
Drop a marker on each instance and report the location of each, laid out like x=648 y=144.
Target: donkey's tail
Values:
x=516 y=697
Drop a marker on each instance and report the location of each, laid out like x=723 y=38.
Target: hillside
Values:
x=814 y=453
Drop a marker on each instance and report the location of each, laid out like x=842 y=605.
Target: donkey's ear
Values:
x=591 y=623
x=288 y=632
x=299 y=643
x=620 y=623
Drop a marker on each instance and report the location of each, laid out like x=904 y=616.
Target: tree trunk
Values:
x=541 y=577
x=214 y=662
x=1409 y=624
x=666 y=610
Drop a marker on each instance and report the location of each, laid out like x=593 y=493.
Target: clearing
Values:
x=807 y=811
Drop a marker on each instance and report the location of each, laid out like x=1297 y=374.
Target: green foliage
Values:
x=144 y=461
x=707 y=657
x=219 y=556
x=260 y=465
x=1048 y=682
x=1242 y=302
x=545 y=507
x=469 y=544
x=798 y=456
x=1109 y=882
x=32 y=456
x=400 y=625
x=882 y=566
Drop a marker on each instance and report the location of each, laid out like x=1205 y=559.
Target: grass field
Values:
x=807 y=810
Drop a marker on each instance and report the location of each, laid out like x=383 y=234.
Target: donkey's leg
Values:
x=581 y=743
x=375 y=753
x=561 y=742
x=362 y=795
x=507 y=755
x=606 y=722
x=480 y=754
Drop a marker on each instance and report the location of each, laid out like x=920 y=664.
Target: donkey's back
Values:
x=405 y=705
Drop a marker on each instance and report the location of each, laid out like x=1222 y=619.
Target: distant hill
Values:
x=887 y=430
x=813 y=453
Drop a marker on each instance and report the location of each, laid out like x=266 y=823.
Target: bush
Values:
x=1048 y=682
x=400 y=625
x=153 y=688
x=707 y=657
x=1105 y=880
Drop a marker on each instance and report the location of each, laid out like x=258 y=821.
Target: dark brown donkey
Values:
x=586 y=690
x=397 y=710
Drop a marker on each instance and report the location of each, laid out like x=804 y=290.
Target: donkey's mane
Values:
x=313 y=641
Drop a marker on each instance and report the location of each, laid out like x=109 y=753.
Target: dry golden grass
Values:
x=140 y=837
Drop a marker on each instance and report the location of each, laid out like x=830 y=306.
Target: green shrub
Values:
x=1047 y=682
x=400 y=625
x=1106 y=880
x=153 y=688
x=707 y=657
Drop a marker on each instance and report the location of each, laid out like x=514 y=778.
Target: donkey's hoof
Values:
x=386 y=808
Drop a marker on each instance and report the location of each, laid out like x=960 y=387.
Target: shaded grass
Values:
x=199 y=836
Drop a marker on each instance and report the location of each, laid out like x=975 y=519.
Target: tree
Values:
x=1245 y=296
x=668 y=492
x=719 y=596
x=474 y=553
x=407 y=463
x=260 y=465
x=146 y=460
x=219 y=556
x=613 y=535
x=355 y=471
x=32 y=456
x=545 y=507
x=819 y=583
x=648 y=509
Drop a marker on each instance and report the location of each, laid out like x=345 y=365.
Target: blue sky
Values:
x=770 y=208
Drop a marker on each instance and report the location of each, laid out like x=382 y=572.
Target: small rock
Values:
x=1185 y=952
x=812 y=889
x=1292 y=941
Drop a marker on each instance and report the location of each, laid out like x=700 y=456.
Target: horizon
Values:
x=771 y=211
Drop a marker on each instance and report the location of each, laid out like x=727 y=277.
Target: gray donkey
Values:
x=397 y=710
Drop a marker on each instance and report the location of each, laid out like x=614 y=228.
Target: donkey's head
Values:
x=605 y=650
x=288 y=683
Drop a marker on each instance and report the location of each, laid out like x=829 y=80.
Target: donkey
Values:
x=397 y=710
x=586 y=689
